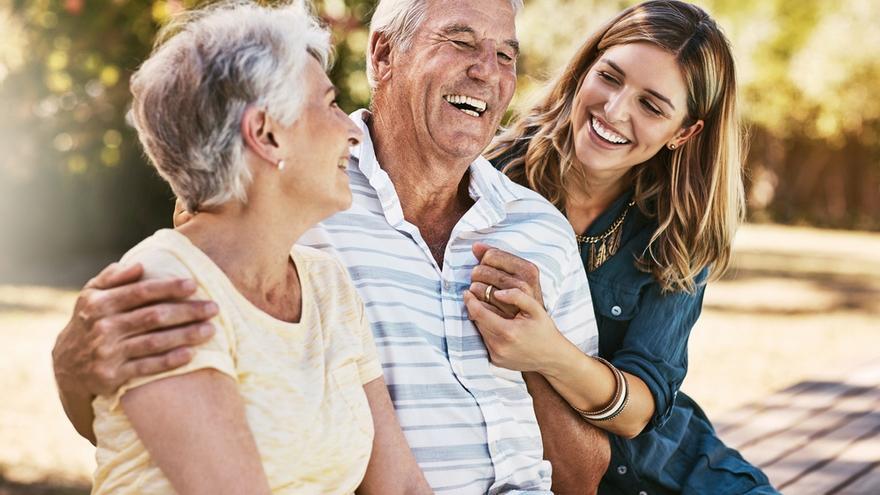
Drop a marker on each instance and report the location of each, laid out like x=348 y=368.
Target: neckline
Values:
x=305 y=288
x=606 y=218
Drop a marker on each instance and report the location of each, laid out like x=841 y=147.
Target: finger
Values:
x=478 y=289
x=479 y=249
x=500 y=279
x=517 y=267
x=161 y=316
x=143 y=293
x=160 y=342
x=114 y=275
x=523 y=302
x=503 y=260
x=152 y=365
x=487 y=320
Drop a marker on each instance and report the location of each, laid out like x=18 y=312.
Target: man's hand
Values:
x=504 y=271
x=123 y=328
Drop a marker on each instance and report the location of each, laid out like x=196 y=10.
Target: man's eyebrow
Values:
x=513 y=44
x=655 y=93
x=465 y=29
x=458 y=29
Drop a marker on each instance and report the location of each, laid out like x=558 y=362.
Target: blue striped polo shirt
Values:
x=470 y=424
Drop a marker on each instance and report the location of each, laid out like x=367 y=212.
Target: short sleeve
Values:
x=655 y=345
x=573 y=310
x=217 y=353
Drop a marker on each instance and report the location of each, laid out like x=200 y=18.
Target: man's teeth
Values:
x=608 y=134
x=466 y=104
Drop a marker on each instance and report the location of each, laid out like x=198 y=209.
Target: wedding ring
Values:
x=487 y=296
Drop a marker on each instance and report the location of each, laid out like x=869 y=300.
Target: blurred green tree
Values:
x=73 y=180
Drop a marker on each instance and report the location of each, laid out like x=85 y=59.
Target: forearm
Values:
x=78 y=407
x=578 y=451
x=589 y=385
x=76 y=401
x=392 y=468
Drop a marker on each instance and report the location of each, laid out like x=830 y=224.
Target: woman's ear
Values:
x=380 y=56
x=258 y=134
x=685 y=134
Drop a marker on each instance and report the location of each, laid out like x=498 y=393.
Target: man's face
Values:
x=451 y=87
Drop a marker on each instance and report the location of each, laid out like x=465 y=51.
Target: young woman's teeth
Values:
x=466 y=104
x=608 y=134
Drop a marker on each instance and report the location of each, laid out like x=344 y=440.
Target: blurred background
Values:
x=76 y=191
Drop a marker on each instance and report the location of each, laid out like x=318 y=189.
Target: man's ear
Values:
x=257 y=132
x=380 y=56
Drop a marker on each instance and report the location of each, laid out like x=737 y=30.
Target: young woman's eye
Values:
x=608 y=77
x=651 y=107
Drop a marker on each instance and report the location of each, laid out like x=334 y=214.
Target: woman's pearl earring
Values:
x=281 y=165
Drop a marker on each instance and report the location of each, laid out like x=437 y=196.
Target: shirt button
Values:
x=615 y=310
x=621 y=469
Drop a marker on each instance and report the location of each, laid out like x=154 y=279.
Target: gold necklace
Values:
x=608 y=242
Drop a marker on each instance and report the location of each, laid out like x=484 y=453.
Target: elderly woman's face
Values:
x=318 y=146
x=632 y=103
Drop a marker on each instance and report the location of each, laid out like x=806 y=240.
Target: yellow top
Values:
x=302 y=383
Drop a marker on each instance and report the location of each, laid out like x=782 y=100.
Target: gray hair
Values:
x=207 y=67
x=399 y=20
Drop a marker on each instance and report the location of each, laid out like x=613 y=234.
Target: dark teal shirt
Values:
x=645 y=332
x=641 y=330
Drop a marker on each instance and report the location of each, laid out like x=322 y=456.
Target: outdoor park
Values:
x=785 y=357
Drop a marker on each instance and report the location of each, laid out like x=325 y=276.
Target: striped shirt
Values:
x=471 y=425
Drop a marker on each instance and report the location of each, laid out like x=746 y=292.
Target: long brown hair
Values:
x=695 y=192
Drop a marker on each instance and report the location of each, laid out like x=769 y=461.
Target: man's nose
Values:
x=484 y=66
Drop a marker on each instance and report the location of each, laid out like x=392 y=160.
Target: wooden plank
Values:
x=775 y=447
x=814 y=455
x=791 y=411
x=742 y=420
x=858 y=458
x=867 y=484
x=740 y=417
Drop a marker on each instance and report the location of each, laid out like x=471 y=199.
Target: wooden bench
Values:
x=815 y=437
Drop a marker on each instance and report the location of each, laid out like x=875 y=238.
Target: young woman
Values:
x=638 y=143
x=236 y=113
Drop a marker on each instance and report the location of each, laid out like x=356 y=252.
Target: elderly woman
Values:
x=236 y=113
x=638 y=143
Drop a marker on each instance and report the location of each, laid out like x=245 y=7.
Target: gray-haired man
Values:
x=443 y=73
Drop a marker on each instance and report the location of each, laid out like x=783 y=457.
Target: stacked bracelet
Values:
x=618 y=402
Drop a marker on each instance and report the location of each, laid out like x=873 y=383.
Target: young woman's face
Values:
x=632 y=103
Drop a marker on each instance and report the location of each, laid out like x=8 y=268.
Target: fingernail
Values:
x=206 y=330
x=187 y=284
x=211 y=307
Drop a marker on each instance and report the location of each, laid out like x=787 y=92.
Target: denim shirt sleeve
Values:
x=655 y=345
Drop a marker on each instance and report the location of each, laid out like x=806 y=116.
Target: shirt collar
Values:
x=488 y=187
